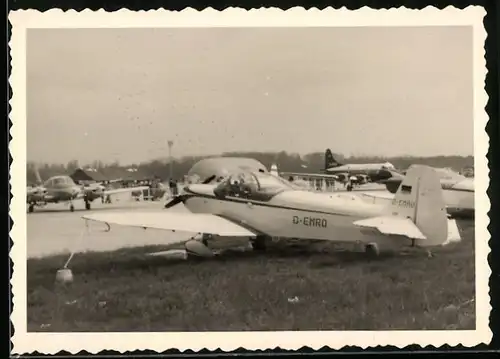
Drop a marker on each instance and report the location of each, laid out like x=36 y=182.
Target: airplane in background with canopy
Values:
x=63 y=189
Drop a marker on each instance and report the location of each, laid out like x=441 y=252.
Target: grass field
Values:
x=320 y=288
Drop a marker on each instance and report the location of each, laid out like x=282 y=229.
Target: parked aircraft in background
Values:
x=63 y=189
x=274 y=170
x=156 y=191
x=358 y=173
x=252 y=206
x=458 y=191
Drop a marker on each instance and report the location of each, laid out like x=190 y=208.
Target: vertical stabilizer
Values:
x=274 y=170
x=420 y=198
x=330 y=160
x=37 y=175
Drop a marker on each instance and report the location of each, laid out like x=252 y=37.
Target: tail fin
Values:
x=37 y=175
x=418 y=210
x=330 y=160
x=274 y=170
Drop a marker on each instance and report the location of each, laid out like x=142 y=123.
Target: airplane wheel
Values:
x=31 y=208
x=87 y=205
x=72 y=208
x=259 y=243
x=372 y=250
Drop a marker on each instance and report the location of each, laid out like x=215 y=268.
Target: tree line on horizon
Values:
x=287 y=162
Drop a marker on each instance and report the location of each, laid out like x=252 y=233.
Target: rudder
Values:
x=330 y=160
x=420 y=198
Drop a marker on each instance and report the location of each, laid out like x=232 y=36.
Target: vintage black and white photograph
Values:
x=252 y=173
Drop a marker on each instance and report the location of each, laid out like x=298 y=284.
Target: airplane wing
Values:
x=392 y=225
x=380 y=194
x=124 y=190
x=183 y=222
x=310 y=175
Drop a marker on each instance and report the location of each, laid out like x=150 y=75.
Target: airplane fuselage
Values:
x=56 y=194
x=359 y=168
x=374 y=171
x=59 y=189
x=294 y=214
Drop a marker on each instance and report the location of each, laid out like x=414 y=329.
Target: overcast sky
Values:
x=120 y=94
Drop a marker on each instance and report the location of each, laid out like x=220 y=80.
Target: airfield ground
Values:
x=324 y=287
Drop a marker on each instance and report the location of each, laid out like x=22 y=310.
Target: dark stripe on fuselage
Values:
x=457 y=189
x=393 y=187
x=461 y=213
x=258 y=203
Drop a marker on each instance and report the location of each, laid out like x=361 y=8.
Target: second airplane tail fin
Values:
x=274 y=170
x=330 y=161
x=39 y=181
x=418 y=211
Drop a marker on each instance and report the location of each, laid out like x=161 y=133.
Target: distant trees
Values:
x=287 y=162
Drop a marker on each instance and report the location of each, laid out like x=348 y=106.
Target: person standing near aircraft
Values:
x=173 y=187
x=176 y=188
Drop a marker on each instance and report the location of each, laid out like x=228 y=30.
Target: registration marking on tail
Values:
x=403 y=203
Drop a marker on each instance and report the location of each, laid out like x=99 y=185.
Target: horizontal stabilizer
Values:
x=182 y=222
x=392 y=225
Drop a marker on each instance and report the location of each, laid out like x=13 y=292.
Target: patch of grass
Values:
x=284 y=288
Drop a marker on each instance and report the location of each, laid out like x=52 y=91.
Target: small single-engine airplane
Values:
x=64 y=189
x=358 y=173
x=251 y=207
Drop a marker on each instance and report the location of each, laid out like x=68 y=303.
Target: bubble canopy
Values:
x=252 y=185
x=65 y=181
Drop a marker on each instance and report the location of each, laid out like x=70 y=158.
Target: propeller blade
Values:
x=175 y=201
x=209 y=179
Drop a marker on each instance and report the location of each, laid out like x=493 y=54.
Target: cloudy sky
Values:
x=120 y=94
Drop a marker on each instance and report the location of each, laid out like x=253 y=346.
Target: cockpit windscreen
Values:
x=63 y=180
x=253 y=185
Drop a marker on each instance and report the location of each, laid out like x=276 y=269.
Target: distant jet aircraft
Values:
x=252 y=207
x=358 y=173
x=372 y=172
x=63 y=189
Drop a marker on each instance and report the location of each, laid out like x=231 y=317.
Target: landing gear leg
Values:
x=259 y=243
x=87 y=205
x=372 y=250
x=205 y=237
